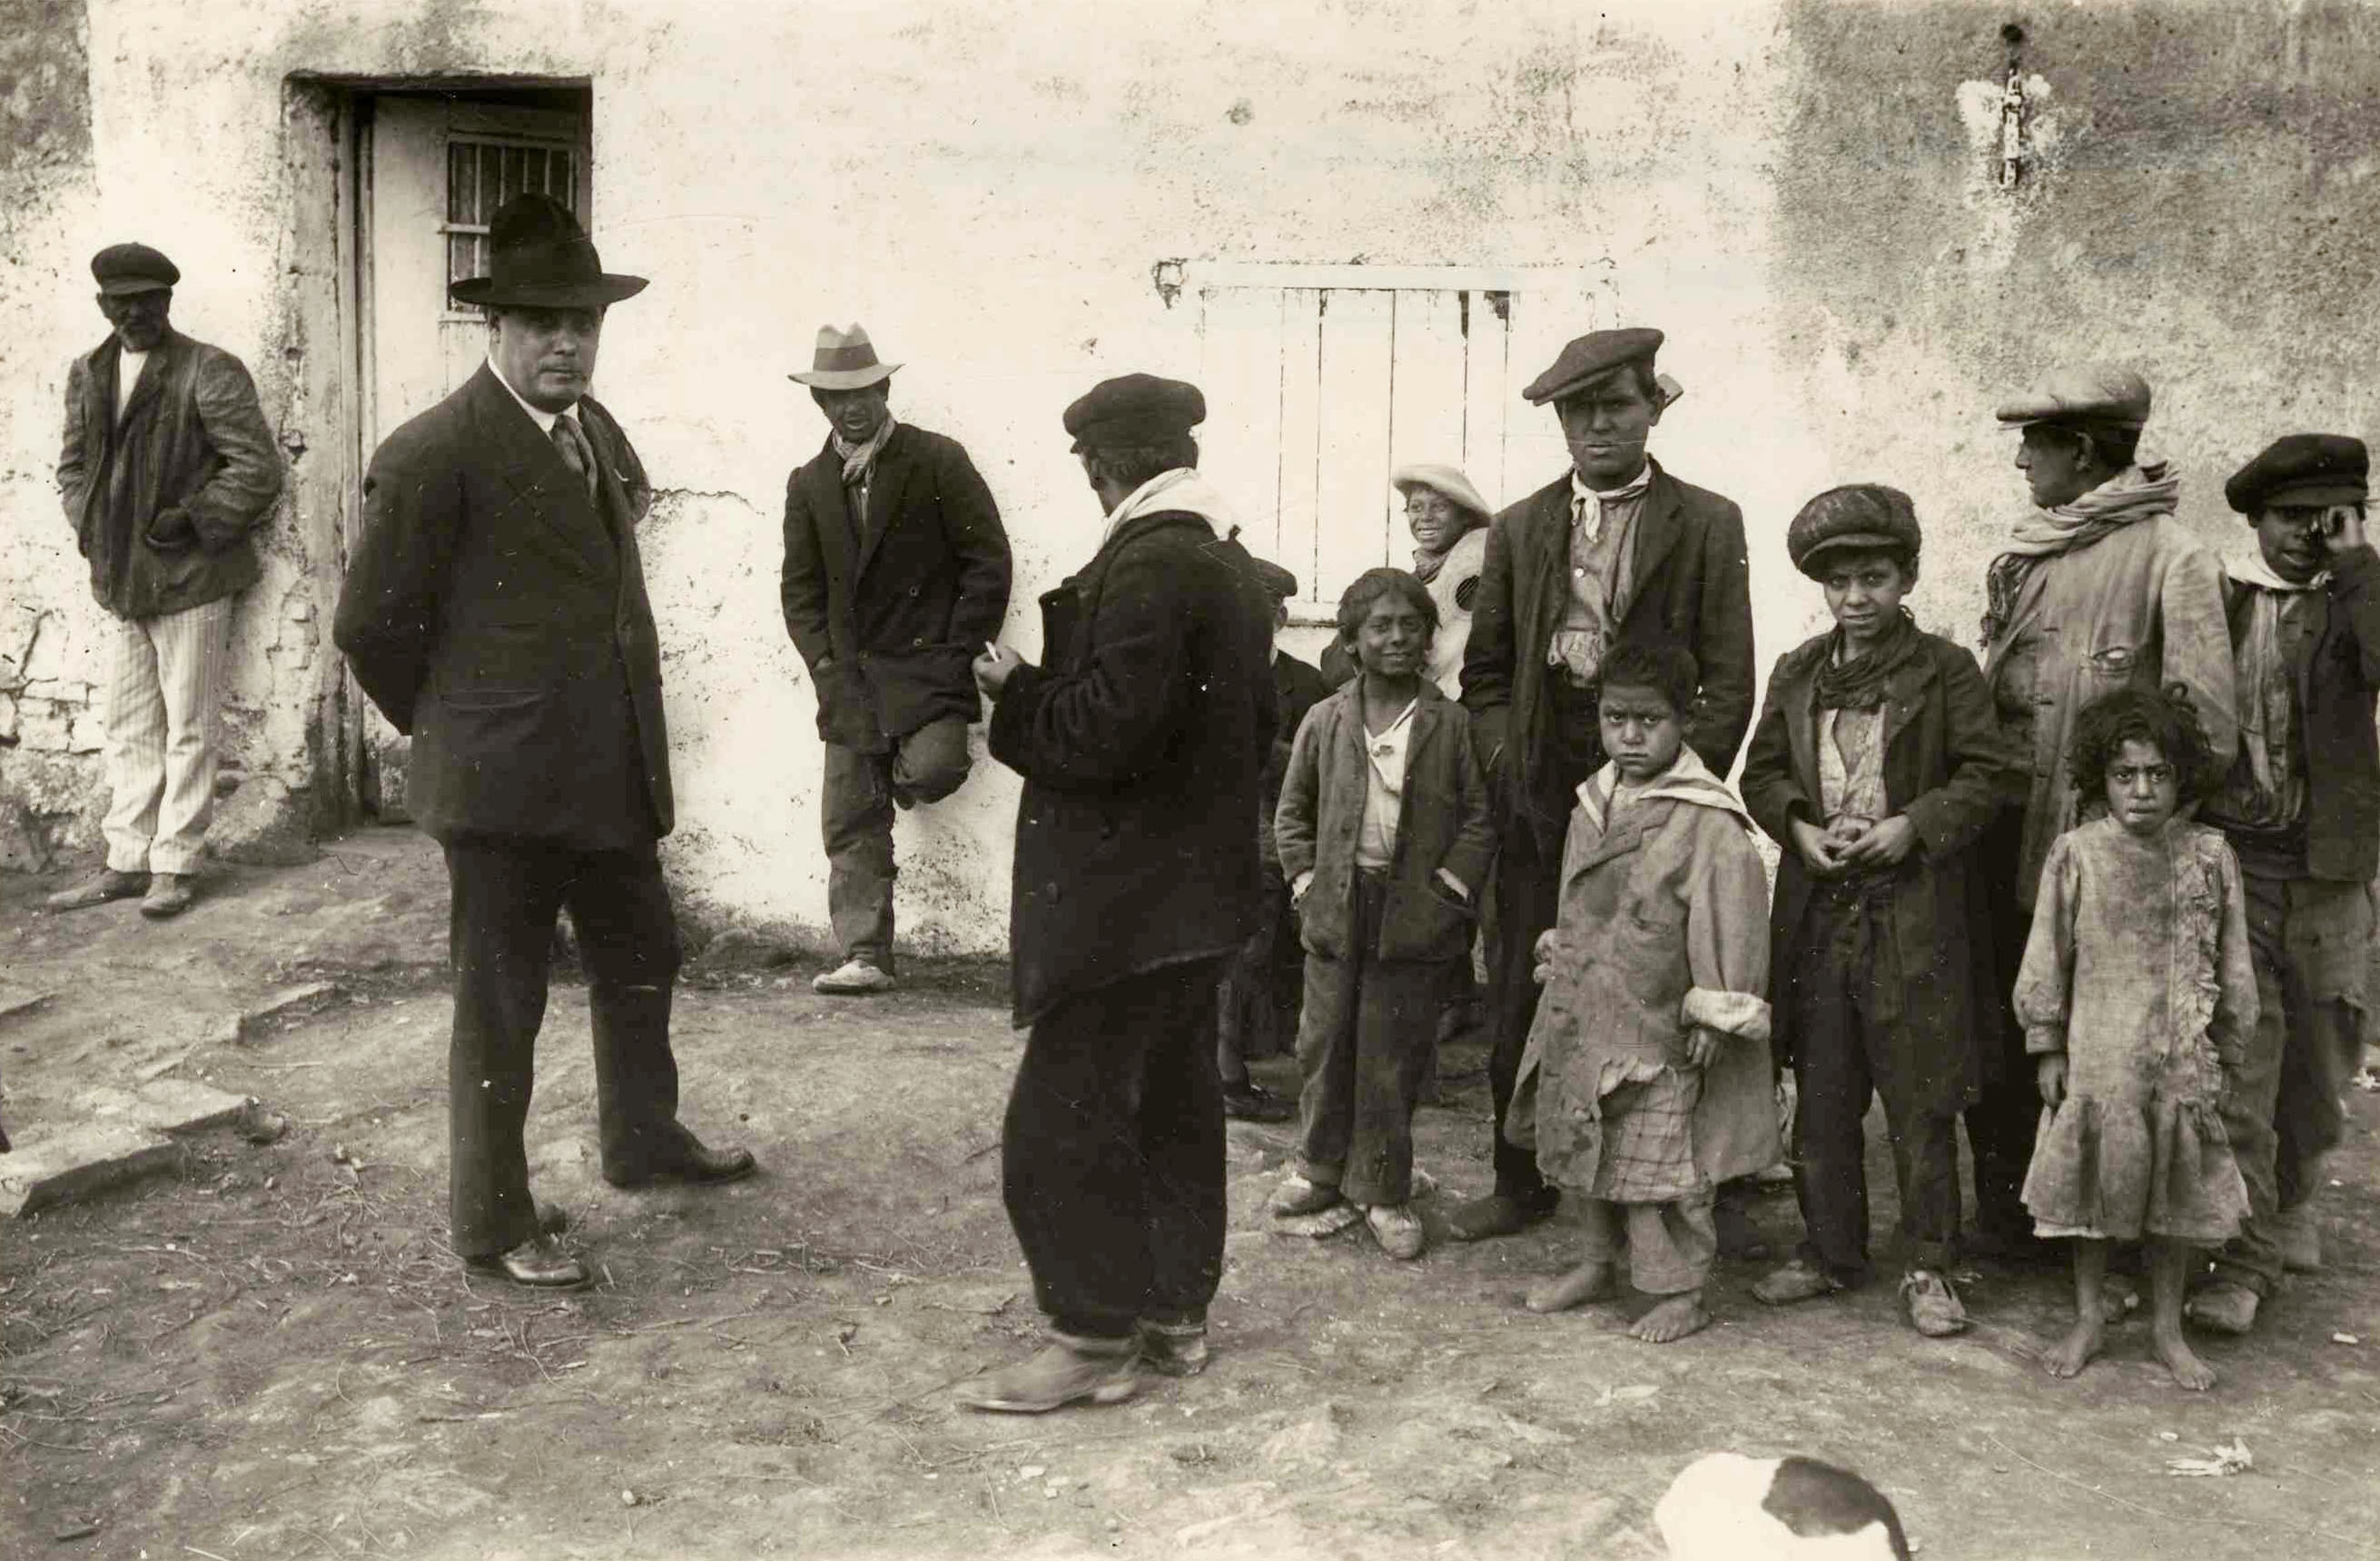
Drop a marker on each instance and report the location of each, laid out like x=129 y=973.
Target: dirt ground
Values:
x=272 y=1354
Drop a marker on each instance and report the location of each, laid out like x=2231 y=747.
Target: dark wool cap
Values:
x=1135 y=409
x=2307 y=469
x=123 y=269
x=1279 y=583
x=1863 y=515
x=1589 y=358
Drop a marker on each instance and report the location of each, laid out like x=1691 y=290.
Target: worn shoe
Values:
x=1798 y=1281
x=1173 y=1349
x=1297 y=1196
x=854 y=978
x=1251 y=1102
x=1398 y=1229
x=169 y=894
x=1499 y=1215
x=2300 y=1240
x=1069 y=1370
x=697 y=1165
x=2223 y=1308
x=1931 y=1306
x=101 y=888
x=538 y=1263
x=1738 y=1239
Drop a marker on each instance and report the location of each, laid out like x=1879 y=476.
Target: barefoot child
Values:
x=1384 y=837
x=1876 y=765
x=2137 y=999
x=1645 y=1082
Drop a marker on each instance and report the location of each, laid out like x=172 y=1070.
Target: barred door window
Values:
x=481 y=175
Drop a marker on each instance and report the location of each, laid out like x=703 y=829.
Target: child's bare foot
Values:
x=1672 y=1320
x=1588 y=1282
x=2187 y=1370
x=2069 y=1355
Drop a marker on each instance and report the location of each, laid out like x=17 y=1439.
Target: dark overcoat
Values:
x=496 y=613
x=1142 y=739
x=1689 y=584
x=1444 y=825
x=889 y=615
x=1948 y=768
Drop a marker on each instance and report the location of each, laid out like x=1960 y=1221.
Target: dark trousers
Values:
x=855 y=809
x=1845 y=1051
x=1257 y=1006
x=1111 y=1155
x=1364 y=1043
x=506 y=892
x=2001 y=1124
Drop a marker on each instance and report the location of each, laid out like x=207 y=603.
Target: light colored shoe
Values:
x=2223 y=1308
x=2299 y=1239
x=1931 y=1306
x=1069 y=1370
x=170 y=894
x=1296 y=1195
x=1398 y=1231
x=854 y=978
x=98 y=889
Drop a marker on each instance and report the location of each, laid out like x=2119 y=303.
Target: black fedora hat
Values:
x=539 y=258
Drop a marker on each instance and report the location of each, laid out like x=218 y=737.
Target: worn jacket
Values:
x=163 y=499
x=1949 y=769
x=2141 y=607
x=1444 y=826
x=1689 y=584
x=1662 y=931
x=1142 y=740
x=499 y=616
x=2336 y=700
x=888 y=612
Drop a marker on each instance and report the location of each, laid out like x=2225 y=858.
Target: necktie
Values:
x=570 y=444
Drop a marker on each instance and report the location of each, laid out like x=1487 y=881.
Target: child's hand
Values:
x=1886 y=844
x=1702 y=1046
x=1820 y=854
x=1297 y=891
x=2050 y=1073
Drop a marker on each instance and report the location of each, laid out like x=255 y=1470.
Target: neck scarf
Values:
x=1428 y=564
x=2139 y=492
x=859 y=460
x=2274 y=792
x=1858 y=684
x=1181 y=488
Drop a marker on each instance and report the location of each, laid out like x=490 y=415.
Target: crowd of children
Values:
x=2190 y=992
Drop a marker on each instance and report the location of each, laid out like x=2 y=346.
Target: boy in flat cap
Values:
x=1142 y=739
x=1876 y=766
x=1615 y=550
x=2302 y=810
x=2098 y=589
x=895 y=575
x=168 y=467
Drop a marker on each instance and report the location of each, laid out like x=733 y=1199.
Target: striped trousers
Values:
x=165 y=684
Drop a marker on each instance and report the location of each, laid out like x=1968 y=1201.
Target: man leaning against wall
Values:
x=168 y=467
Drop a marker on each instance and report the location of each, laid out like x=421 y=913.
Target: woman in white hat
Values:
x=1450 y=529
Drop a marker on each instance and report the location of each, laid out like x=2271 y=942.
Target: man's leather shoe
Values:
x=1498 y=1213
x=169 y=894
x=697 y=1165
x=536 y=1262
x=106 y=885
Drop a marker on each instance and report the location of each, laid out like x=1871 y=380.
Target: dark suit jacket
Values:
x=1444 y=825
x=1141 y=739
x=1689 y=584
x=890 y=614
x=1947 y=768
x=498 y=615
x=1297 y=688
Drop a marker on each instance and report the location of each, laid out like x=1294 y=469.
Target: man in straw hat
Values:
x=495 y=610
x=167 y=465
x=1142 y=739
x=1614 y=549
x=896 y=577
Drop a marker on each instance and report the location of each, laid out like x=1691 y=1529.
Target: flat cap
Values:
x=123 y=269
x=2082 y=393
x=2307 y=469
x=1444 y=480
x=1591 y=356
x=1862 y=515
x=1135 y=409
x=1279 y=583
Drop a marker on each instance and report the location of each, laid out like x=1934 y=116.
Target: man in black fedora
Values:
x=495 y=610
x=896 y=577
x=1613 y=549
x=1142 y=739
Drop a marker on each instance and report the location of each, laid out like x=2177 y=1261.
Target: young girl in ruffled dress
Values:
x=2137 y=998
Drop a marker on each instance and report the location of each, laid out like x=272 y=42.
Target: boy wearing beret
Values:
x=1876 y=765
x=2302 y=810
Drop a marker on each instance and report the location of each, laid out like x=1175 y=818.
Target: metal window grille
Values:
x=482 y=174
